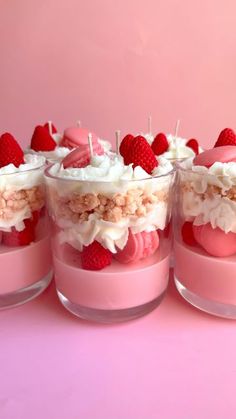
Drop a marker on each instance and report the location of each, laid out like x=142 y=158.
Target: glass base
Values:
x=109 y=316
x=23 y=295
x=209 y=306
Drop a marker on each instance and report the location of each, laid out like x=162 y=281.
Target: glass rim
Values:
x=177 y=159
x=47 y=174
x=19 y=172
x=183 y=169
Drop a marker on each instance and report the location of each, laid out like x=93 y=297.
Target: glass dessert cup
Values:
x=25 y=256
x=128 y=218
x=205 y=241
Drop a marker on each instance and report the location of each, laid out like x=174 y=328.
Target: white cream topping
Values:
x=109 y=175
x=216 y=209
x=219 y=174
x=57 y=154
x=13 y=179
x=177 y=147
x=105 y=144
x=149 y=137
x=13 y=172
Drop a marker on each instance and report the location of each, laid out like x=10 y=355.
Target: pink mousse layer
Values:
x=116 y=287
x=209 y=277
x=23 y=266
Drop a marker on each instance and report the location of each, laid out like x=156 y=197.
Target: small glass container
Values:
x=131 y=220
x=25 y=255
x=205 y=240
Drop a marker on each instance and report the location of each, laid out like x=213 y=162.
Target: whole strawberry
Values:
x=125 y=147
x=95 y=257
x=193 y=144
x=42 y=140
x=20 y=238
x=10 y=151
x=160 y=144
x=226 y=137
x=141 y=154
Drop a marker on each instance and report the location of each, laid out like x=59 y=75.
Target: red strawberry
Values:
x=125 y=147
x=226 y=137
x=160 y=144
x=20 y=238
x=35 y=217
x=54 y=130
x=42 y=140
x=167 y=229
x=187 y=234
x=193 y=144
x=141 y=154
x=10 y=151
x=95 y=257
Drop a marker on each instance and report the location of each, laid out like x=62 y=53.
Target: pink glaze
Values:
x=116 y=287
x=80 y=157
x=214 y=240
x=24 y=266
x=138 y=246
x=224 y=154
x=206 y=276
x=76 y=136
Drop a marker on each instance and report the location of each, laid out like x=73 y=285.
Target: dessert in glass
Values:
x=25 y=255
x=205 y=230
x=110 y=231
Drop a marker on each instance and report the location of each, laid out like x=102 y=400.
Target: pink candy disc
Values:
x=215 y=241
x=76 y=136
x=224 y=154
x=138 y=246
x=80 y=157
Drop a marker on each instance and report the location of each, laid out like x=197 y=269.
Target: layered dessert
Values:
x=205 y=236
x=111 y=234
x=24 y=242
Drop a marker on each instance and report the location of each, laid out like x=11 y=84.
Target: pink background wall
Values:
x=111 y=63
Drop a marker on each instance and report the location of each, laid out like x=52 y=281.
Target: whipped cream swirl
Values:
x=208 y=194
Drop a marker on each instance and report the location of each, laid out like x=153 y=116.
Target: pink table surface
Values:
x=174 y=363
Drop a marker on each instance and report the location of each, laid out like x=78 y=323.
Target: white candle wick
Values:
x=117 y=141
x=90 y=145
x=149 y=124
x=177 y=128
x=50 y=127
x=78 y=123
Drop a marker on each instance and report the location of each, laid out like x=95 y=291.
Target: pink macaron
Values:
x=76 y=136
x=214 y=240
x=138 y=246
x=80 y=157
x=224 y=154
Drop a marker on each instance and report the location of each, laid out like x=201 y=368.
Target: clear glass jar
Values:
x=205 y=241
x=25 y=255
x=128 y=218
